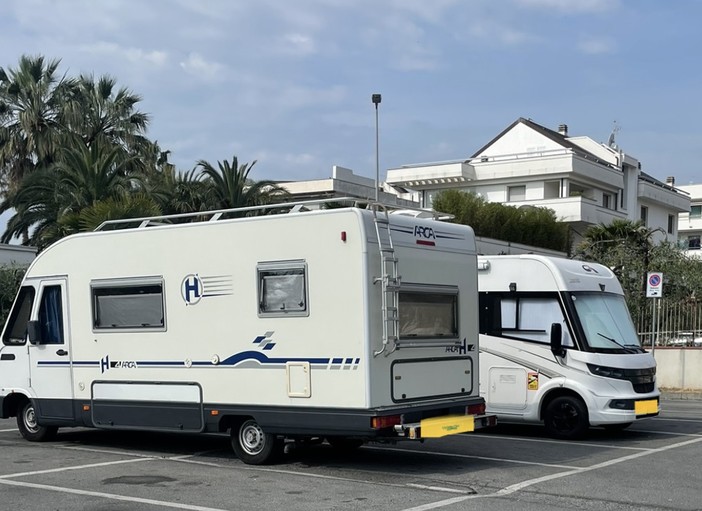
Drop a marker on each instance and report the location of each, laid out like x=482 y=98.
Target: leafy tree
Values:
x=532 y=226
x=31 y=97
x=49 y=201
x=10 y=280
x=629 y=250
x=229 y=186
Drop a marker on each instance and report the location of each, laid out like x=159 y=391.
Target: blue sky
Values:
x=289 y=83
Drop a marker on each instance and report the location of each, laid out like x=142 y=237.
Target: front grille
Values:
x=643 y=388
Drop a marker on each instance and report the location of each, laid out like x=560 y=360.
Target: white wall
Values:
x=679 y=368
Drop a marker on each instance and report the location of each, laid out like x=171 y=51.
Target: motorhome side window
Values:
x=16 y=331
x=124 y=305
x=428 y=314
x=282 y=289
x=527 y=318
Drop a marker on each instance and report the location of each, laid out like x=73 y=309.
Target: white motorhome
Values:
x=557 y=345
x=348 y=324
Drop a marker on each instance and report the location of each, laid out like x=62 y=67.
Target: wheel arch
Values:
x=12 y=403
x=555 y=393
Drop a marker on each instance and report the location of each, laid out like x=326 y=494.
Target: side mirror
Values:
x=557 y=340
x=34 y=332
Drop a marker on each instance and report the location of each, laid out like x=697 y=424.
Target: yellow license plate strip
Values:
x=449 y=425
x=646 y=407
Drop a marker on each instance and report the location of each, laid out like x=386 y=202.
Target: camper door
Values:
x=50 y=367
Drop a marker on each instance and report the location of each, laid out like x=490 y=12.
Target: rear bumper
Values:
x=437 y=427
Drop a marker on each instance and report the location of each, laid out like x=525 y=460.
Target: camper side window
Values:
x=428 y=314
x=282 y=289
x=124 y=306
x=16 y=331
x=527 y=318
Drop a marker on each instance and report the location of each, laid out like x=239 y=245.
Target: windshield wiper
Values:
x=626 y=348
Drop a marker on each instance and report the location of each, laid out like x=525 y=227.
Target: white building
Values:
x=584 y=182
x=344 y=183
x=690 y=223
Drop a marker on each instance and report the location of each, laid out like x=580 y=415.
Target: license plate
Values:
x=449 y=425
x=646 y=407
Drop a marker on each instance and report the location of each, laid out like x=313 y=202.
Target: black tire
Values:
x=617 y=427
x=254 y=446
x=28 y=426
x=566 y=418
x=344 y=443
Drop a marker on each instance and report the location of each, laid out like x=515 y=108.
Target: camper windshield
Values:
x=606 y=322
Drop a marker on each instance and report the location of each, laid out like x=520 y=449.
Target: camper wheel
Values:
x=28 y=426
x=254 y=446
x=566 y=417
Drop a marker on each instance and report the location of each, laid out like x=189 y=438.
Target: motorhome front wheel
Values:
x=29 y=427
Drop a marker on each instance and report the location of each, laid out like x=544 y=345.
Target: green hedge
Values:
x=534 y=226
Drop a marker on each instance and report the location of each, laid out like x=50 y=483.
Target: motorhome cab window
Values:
x=428 y=313
x=282 y=289
x=526 y=318
x=16 y=331
x=606 y=321
x=128 y=306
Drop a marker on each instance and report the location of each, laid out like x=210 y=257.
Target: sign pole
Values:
x=654 y=289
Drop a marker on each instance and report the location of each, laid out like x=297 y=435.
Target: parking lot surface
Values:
x=653 y=465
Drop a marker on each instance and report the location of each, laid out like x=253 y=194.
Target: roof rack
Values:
x=279 y=208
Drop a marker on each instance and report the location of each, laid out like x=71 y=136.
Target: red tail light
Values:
x=385 y=422
x=478 y=409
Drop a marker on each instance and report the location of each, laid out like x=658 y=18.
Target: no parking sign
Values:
x=654 y=285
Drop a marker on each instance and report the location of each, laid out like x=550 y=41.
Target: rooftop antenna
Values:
x=611 y=142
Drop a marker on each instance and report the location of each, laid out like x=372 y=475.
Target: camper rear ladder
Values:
x=389 y=281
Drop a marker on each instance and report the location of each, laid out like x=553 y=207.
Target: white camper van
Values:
x=347 y=324
x=557 y=345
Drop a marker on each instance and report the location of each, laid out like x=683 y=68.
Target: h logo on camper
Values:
x=191 y=289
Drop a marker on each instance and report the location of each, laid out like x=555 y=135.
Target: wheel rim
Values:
x=30 y=419
x=252 y=438
x=565 y=418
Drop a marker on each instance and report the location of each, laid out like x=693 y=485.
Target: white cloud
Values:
x=572 y=6
x=299 y=44
x=134 y=55
x=197 y=66
x=595 y=46
x=502 y=34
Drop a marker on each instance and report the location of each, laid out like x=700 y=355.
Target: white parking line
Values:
x=110 y=496
x=8 y=430
x=563 y=442
x=472 y=457
x=531 y=482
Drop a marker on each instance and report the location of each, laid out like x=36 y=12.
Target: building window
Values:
x=607 y=201
x=134 y=305
x=552 y=189
x=671 y=224
x=693 y=242
x=644 y=215
x=516 y=193
x=282 y=289
x=695 y=211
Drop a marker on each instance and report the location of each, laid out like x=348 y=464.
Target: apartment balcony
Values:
x=577 y=210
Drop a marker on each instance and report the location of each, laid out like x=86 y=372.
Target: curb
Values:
x=692 y=395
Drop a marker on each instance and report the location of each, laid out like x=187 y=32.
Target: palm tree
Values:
x=49 y=201
x=31 y=97
x=228 y=186
x=98 y=111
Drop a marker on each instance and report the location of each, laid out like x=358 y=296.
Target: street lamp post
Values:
x=376 y=98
